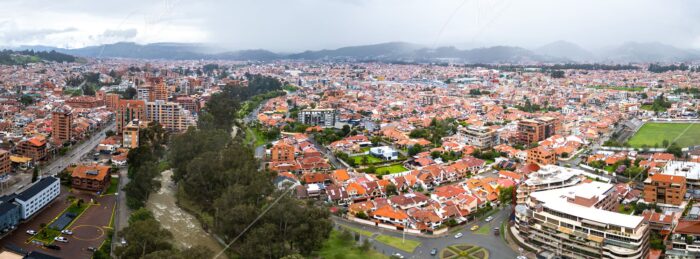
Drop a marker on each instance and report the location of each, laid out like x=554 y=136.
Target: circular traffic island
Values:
x=466 y=251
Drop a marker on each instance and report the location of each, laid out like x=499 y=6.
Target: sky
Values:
x=296 y=25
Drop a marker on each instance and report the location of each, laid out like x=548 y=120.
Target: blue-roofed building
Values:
x=37 y=196
x=9 y=216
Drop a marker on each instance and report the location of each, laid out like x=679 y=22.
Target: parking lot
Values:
x=89 y=228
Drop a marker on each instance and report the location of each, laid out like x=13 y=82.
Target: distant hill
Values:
x=555 y=52
x=566 y=51
x=648 y=52
x=14 y=57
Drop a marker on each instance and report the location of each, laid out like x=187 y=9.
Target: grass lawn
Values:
x=649 y=107
x=484 y=229
x=74 y=208
x=357 y=230
x=46 y=235
x=609 y=168
x=370 y=159
x=622 y=209
x=364 y=149
x=255 y=133
x=113 y=185
x=619 y=88
x=654 y=133
x=390 y=169
x=407 y=245
x=336 y=248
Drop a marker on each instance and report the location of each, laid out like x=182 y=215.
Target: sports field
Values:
x=654 y=133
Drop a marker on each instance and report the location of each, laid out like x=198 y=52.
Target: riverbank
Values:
x=186 y=229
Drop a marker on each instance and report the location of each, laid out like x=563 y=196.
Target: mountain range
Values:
x=555 y=52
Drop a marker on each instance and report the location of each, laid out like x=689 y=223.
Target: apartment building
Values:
x=282 y=152
x=170 y=115
x=547 y=178
x=531 y=131
x=159 y=89
x=130 y=134
x=90 y=177
x=34 y=148
x=37 y=196
x=684 y=243
x=129 y=110
x=479 y=136
x=541 y=155
x=5 y=163
x=318 y=117
x=61 y=125
x=665 y=189
x=689 y=170
x=579 y=222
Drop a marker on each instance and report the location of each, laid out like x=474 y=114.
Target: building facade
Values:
x=547 y=178
x=541 y=155
x=479 y=136
x=130 y=134
x=579 y=222
x=665 y=189
x=37 y=196
x=90 y=177
x=5 y=163
x=170 y=115
x=318 y=117
x=129 y=110
x=531 y=131
x=61 y=126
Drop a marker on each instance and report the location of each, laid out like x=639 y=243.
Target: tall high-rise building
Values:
x=129 y=110
x=535 y=130
x=5 y=164
x=61 y=125
x=170 y=115
x=160 y=90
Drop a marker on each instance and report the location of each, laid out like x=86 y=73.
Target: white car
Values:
x=67 y=232
x=61 y=239
x=31 y=232
x=397 y=255
x=489 y=218
x=459 y=235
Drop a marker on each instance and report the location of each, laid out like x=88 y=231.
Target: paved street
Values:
x=494 y=244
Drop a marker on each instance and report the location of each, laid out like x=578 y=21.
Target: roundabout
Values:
x=87 y=232
x=467 y=251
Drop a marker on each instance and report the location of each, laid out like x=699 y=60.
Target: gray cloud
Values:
x=293 y=25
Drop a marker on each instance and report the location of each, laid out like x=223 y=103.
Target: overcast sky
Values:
x=294 y=25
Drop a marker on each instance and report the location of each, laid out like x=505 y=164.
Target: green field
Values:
x=619 y=88
x=654 y=133
x=390 y=169
x=407 y=245
x=334 y=247
x=370 y=159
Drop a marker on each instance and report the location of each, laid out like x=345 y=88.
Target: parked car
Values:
x=433 y=252
x=123 y=241
x=397 y=255
x=458 y=235
x=61 y=239
x=67 y=232
x=496 y=231
x=92 y=249
x=31 y=232
x=475 y=227
x=489 y=218
x=52 y=246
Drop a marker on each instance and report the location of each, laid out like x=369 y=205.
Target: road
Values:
x=327 y=153
x=60 y=163
x=494 y=244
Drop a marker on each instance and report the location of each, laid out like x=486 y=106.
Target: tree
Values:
x=109 y=133
x=505 y=195
x=391 y=189
x=415 y=149
x=26 y=100
x=675 y=150
x=129 y=93
x=35 y=174
x=366 y=245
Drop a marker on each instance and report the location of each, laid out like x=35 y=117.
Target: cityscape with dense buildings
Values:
x=132 y=147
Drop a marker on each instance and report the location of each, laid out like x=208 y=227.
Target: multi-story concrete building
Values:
x=579 y=222
x=282 y=152
x=170 y=115
x=130 y=134
x=665 y=189
x=547 y=178
x=129 y=110
x=689 y=170
x=541 y=155
x=34 y=148
x=535 y=130
x=90 y=177
x=37 y=196
x=61 y=125
x=5 y=164
x=684 y=243
x=318 y=117
x=479 y=136
x=160 y=90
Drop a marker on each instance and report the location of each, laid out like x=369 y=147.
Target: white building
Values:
x=384 y=152
x=580 y=222
x=318 y=117
x=478 y=136
x=690 y=170
x=547 y=178
x=37 y=196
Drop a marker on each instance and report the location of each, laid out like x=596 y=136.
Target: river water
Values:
x=186 y=230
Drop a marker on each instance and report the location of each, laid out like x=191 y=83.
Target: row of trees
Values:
x=144 y=165
x=220 y=175
x=147 y=239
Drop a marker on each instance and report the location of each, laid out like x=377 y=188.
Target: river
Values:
x=187 y=231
